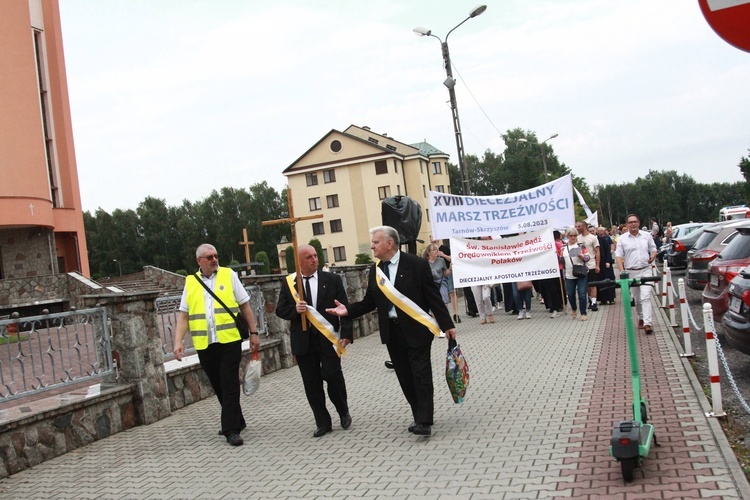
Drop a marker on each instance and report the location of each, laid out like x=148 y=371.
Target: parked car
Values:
x=733 y=259
x=678 y=231
x=709 y=245
x=736 y=321
x=677 y=253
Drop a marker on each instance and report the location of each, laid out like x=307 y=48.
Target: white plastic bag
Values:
x=252 y=375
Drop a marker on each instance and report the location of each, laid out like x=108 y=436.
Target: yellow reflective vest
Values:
x=226 y=330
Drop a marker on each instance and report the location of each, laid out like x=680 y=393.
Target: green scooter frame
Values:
x=631 y=439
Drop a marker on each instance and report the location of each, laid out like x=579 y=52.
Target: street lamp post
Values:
x=451 y=83
x=118 y=265
x=544 y=154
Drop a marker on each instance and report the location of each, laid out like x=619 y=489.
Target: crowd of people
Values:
x=594 y=248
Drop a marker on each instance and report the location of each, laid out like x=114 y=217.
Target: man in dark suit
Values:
x=408 y=341
x=315 y=353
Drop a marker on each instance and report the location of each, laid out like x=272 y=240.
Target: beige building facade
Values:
x=345 y=176
x=41 y=220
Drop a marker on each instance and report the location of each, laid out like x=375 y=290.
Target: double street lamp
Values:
x=544 y=154
x=451 y=83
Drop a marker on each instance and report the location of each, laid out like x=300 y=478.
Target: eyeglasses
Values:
x=213 y=256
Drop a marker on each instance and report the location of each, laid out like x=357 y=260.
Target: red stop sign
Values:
x=730 y=19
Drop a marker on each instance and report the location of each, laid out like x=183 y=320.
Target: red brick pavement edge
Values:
x=682 y=466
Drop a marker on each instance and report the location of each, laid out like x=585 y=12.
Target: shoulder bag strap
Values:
x=215 y=297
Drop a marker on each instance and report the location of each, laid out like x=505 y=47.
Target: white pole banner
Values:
x=527 y=257
x=456 y=216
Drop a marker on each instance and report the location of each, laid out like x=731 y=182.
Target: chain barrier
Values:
x=729 y=375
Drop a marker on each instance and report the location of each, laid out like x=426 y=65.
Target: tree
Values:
x=362 y=258
x=262 y=257
x=289 y=255
x=744 y=166
x=319 y=250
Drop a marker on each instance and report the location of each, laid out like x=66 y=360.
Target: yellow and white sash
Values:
x=317 y=319
x=404 y=303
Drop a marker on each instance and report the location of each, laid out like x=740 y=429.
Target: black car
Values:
x=677 y=253
x=736 y=321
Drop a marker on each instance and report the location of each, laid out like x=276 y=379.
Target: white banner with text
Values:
x=548 y=205
x=527 y=257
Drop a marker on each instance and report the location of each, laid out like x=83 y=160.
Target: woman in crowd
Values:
x=439 y=270
x=573 y=254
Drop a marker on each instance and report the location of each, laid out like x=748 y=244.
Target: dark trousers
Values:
x=413 y=367
x=221 y=363
x=321 y=363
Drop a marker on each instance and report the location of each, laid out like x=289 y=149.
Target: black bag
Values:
x=239 y=320
x=580 y=271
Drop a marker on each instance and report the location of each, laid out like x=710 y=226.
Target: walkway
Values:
x=544 y=396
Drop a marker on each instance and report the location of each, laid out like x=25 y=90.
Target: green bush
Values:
x=363 y=258
x=289 y=253
x=263 y=257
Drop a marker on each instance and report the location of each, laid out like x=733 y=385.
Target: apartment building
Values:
x=346 y=175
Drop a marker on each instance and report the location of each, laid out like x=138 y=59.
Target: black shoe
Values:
x=594 y=307
x=322 y=431
x=648 y=329
x=346 y=421
x=234 y=439
x=412 y=427
x=456 y=318
x=422 y=430
x=389 y=364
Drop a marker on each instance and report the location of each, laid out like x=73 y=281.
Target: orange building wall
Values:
x=25 y=200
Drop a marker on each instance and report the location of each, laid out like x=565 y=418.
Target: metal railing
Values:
x=40 y=353
x=166 y=311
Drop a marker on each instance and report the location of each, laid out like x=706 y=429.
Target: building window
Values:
x=318 y=228
x=421 y=167
x=336 y=226
x=436 y=168
x=339 y=254
x=395 y=166
x=427 y=214
x=372 y=140
x=390 y=147
x=398 y=189
x=312 y=179
x=325 y=255
x=314 y=204
x=335 y=146
x=329 y=176
x=424 y=191
x=332 y=200
x=381 y=167
x=44 y=104
x=440 y=189
x=384 y=192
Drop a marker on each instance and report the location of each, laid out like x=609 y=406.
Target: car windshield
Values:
x=738 y=248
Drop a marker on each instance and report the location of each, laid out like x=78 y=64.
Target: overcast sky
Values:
x=176 y=98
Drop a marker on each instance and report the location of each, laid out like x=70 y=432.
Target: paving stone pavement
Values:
x=543 y=398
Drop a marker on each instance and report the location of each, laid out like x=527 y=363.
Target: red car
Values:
x=733 y=259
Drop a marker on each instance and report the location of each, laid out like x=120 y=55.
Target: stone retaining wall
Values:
x=144 y=389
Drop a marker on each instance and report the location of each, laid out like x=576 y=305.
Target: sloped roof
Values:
x=427 y=149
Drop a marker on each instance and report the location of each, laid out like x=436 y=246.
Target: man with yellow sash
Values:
x=215 y=335
x=318 y=347
x=401 y=288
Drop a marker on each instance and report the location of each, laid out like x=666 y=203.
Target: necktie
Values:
x=386 y=265
x=308 y=291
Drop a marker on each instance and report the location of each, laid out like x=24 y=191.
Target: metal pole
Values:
x=544 y=162
x=451 y=83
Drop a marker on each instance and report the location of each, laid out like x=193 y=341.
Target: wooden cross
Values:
x=247 y=245
x=292 y=220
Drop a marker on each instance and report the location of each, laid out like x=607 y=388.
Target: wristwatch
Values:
x=253 y=333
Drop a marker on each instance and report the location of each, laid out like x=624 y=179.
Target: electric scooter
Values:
x=631 y=439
